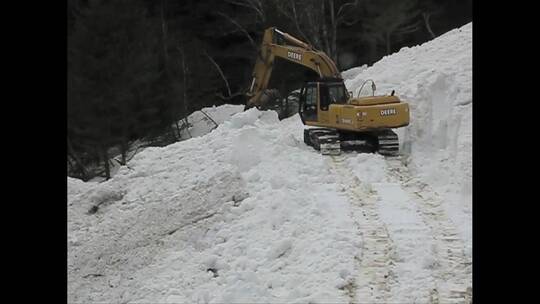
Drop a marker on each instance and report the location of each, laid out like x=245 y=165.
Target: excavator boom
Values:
x=279 y=44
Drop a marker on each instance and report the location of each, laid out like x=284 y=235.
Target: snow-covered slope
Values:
x=249 y=214
x=249 y=200
x=435 y=78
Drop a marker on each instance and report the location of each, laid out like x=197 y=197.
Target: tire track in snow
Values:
x=453 y=269
x=373 y=273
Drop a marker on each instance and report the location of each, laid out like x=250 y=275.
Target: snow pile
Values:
x=353 y=72
x=247 y=213
x=202 y=121
x=435 y=78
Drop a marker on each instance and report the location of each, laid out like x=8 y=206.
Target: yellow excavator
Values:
x=342 y=122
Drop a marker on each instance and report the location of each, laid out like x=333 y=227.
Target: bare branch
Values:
x=349 y=23
x=290 y=13
x=220 y=71
x=295 y=19
x=426 y=17
x=254 y=5
x=283 y=11
x=345 y=5
x=227 y=33
x=241 y=28
x=230 y=97
x=409 y=28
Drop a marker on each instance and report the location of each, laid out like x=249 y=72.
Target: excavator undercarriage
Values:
x=332 y=141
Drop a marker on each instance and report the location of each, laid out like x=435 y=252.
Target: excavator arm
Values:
x=279 y=44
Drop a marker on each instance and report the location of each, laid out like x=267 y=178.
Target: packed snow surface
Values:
x=247 y=213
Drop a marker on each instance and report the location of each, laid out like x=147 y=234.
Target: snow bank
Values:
x=435 y=78
x=246 y=213
x=200 y=124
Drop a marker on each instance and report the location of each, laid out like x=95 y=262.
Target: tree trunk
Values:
x=184 y=82
x=164 y=39
x=220 y=72
x=124 y=150
x=388 y=46
x=372 y=53
x=178 y=133
x=105 y=158
x=78 y=162
x=326 y=42
x=333 y=43
x=295 y=21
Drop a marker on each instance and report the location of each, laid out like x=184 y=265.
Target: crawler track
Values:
x=332 y=141
x=453 y=273
x=378 y=277
x=374 y=274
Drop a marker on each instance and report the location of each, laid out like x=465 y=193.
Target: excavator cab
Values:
x=317 y=96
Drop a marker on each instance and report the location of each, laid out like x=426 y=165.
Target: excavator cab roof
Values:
x=329 y=79
x=326 y=80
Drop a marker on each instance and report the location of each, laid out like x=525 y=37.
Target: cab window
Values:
x=311 y=97
x=337 y=93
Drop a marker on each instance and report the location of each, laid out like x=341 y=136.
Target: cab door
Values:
x=323 y=103
x=308 y=102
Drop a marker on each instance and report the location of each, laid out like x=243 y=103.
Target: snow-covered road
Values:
x=411 y=251
x=249 y=214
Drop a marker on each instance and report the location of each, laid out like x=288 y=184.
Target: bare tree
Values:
x=184 y=89
x=220 y=72
x=78 y=166
x=391 y=21
x=256 y=5
x=317 y=21
x=302 y=21
x=337 y=18
x=164 y=36
x=104 y=155
x=241 y=28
